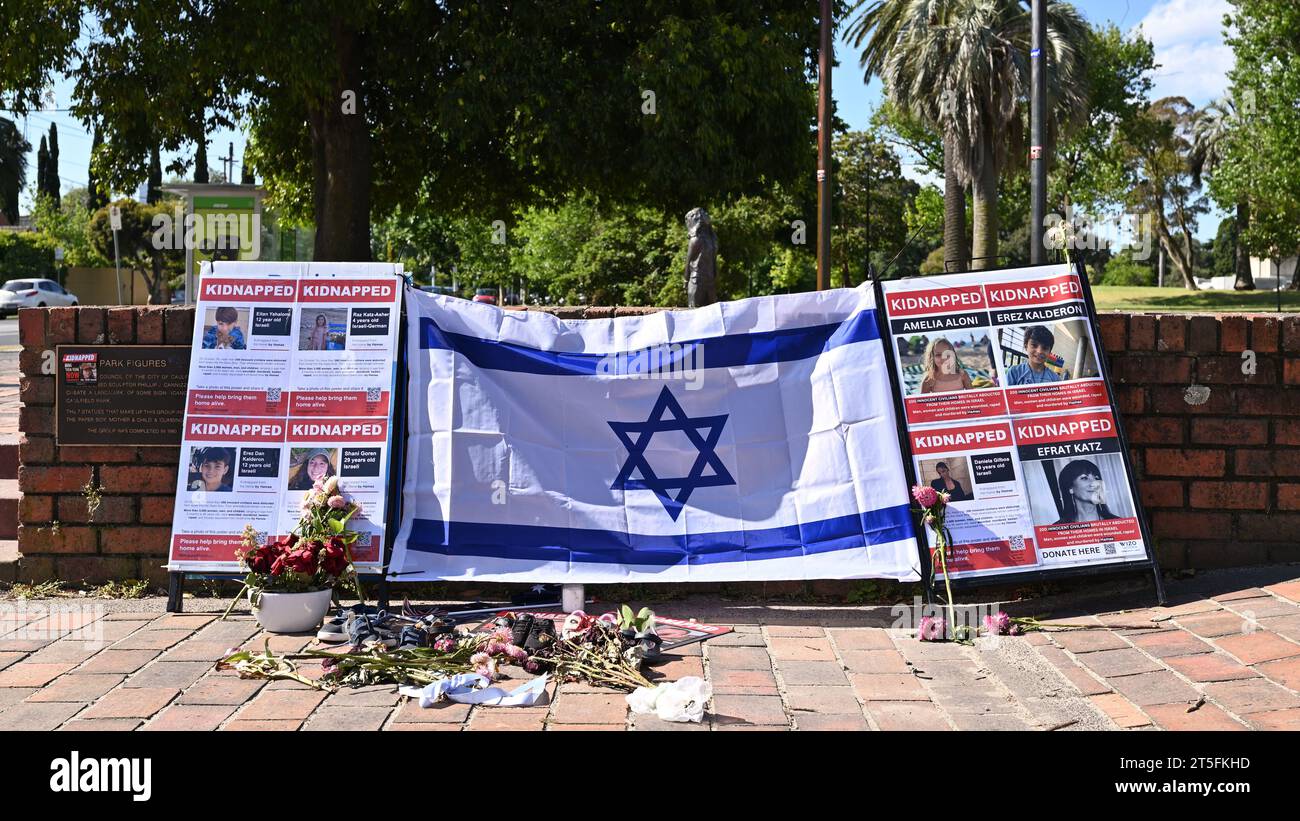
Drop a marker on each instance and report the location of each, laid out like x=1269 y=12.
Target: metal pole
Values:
x=1037 y=120
x=826 y=54
x=117 y=263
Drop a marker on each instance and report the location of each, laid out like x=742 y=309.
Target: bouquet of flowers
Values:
x=313 y=557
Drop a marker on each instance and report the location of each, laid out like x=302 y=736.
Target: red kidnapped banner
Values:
x=1034 y=292
x=939 y=301
x=350 y=291
x=214 y=289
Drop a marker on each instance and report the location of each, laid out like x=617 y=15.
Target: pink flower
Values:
x=925 y=495
x=931 y=629
x=444 y=644
x=338 y=502
x=998 y=624
x=532 y=666
x=516 y=652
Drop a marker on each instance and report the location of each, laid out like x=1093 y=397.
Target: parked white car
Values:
x=32 y=293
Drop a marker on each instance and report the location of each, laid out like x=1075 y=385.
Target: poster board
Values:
x=291 y=379
x=1006 y=407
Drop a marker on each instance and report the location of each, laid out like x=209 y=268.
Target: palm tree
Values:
x=1210 y=129
x=13 y=168
x=962 y=67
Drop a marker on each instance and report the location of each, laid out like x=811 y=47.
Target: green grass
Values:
x=1126 y=298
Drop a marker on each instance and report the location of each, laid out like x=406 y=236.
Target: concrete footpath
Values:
x=1224 y=655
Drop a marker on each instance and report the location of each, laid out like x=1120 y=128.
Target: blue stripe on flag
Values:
x=564 y=544
x=759 y=348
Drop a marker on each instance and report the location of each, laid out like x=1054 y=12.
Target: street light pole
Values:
x=826 y=54
x=1037 y=118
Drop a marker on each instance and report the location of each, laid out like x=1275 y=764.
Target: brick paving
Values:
x=1224 y=655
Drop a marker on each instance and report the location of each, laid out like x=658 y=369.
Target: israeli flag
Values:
x=745 y=441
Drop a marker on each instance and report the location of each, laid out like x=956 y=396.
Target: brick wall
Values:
x=129 y=534
x=1216 y=449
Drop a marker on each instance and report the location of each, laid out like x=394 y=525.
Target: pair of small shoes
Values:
x=437 y=625
x=334 y=630
x=521 y=629
x=541 y=635
x=366 y=630
x=414 y=635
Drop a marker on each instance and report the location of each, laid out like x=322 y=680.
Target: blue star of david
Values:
x=704 y=443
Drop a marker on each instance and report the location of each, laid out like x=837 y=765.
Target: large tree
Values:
x=356 y=108
x=1212 y=127
x=962 y=66
x=1260 y=157
x=13 y=168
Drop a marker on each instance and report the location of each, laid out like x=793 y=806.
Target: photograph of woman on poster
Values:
x=947 y=483
x=210 y=469
x=943 y=370
x=1083 y=493
x=318 y=465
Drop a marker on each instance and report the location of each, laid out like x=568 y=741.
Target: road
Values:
x=8 y=332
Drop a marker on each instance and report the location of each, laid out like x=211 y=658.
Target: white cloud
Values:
x=1189 y=50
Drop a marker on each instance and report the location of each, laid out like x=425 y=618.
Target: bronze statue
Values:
x=701 y=260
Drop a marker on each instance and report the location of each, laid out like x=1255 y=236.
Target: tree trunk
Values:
x=984 y=240
x=954 y=209
x=341 y=159
x=1241 y=258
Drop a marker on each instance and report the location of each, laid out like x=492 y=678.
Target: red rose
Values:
x=333 y=559
x=277 y=567
x=260 y=559
x=301 y=561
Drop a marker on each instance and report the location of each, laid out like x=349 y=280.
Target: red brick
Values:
x=160 y=456
x=36 y=509
x=121 y=325
x=36 y=390
x=1203 y=334
x=1185 y=524
x=1265 y=401
x=906 y=715
x=1264 y=334
x=1229 y=431
x=178 y=324
x=1114 y=332
x=138 y=479
x=36 y=419
x=1212 y=553
x=130 y=702
x=62 y=326
x=1234 y=332
x=156 y=510
x=1229 y=495
x=763 y=710
x=1205 y=717
x=1259 y=646
x=1267 y=462
x=1130 y=399
x=90 y=325
x=1291 y=371
x=1226 y=370
x=63 y=479
x=111 y=510
x=1156 y=493
x=1155 y=430
x=1184 y=462
x=31 y=327
x=150 y=540
x=33 y=539
x=1288 y=497
x=149 y=326
x=35 y=450
x=1173 y=333
x=595 y=708
x=1148 y=370
x=1210 y=667
x=31 y=361
x=96 y=454
x=1286 y=432
x=1182 y=399
x=1269 y=527
x=191 y=717
x=1141 y=332
x=1290 y=334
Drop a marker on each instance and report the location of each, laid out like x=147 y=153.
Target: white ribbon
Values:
x=471 y=688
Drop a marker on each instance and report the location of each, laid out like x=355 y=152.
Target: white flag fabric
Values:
x=749 y=440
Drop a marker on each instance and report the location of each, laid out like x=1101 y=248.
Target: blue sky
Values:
x=1187 y=34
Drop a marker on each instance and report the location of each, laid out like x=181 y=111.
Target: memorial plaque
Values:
x=121 y=394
